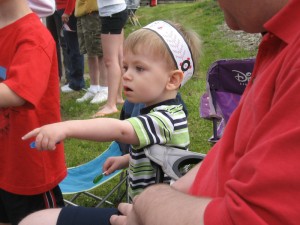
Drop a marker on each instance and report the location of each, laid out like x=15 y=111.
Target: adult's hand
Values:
x=65 y=18
x=162 y=204
x=127 y=217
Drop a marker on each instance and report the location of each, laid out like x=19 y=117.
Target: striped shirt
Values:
x=164 y=124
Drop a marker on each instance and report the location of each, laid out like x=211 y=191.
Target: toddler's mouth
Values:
x=127 y=89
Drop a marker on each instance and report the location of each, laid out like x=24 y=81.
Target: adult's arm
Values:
x=9 y=98
x=162 y=204
x=184 y=183
x=70 y=6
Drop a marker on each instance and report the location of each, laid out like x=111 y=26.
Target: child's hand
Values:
x=46 y=136
x=115 y=163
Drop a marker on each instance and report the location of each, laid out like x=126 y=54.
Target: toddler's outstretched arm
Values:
x=100 y=129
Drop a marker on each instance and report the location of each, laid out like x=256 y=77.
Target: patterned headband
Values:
x=177 y=46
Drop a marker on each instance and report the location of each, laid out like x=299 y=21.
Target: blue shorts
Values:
x=77 y=215
x=115 y=23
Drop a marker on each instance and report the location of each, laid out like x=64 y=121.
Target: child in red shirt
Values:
x=29 y=90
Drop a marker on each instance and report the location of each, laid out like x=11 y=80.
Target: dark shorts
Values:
x=13 y=208
x=89 y=31
x=115 y=23
x=77 y=215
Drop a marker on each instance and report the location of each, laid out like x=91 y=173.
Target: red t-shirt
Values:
x=253 y=173
x=28 y=66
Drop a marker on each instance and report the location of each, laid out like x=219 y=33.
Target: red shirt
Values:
x=252 y=173
x=68 y=5
x=28 y=66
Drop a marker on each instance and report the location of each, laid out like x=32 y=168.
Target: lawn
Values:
x=205 y=18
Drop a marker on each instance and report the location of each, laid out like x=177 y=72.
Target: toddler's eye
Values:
x=125 y=68
x=139 y=69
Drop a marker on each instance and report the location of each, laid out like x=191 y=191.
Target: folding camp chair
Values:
x=132 y=7
x=226 y=81
x=79 y=180
x=171 y=161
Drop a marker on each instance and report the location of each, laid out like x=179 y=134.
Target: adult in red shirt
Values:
x=251 y=176
x=29 y=97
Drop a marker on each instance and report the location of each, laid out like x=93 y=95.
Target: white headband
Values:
x=177 y=46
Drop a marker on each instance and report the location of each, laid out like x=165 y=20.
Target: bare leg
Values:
x=94 y=70
x=111 y=45
x=120 y=99
x=43 y=217
x=102 y=89
x=103 y=72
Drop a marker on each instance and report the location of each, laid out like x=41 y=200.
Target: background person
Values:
x=54 y=25
x=65 y=11
x=88 y=31
x=113 y=15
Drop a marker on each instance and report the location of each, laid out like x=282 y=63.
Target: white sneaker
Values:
x=87 y=96
x=100 y=97
x=66 y=89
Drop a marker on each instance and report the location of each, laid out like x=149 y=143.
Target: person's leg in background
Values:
x=51 y=25
x=120 y=99
x=63 y=53
x=96 y=62
x=76 y=79
x=65 y=57
x=112 y=37
x=88 y=31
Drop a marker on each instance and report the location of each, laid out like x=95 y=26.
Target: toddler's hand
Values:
x=46 y=136
x=115 y=163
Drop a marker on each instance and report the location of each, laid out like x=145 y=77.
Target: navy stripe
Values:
x=139 y=167
x=141 y=156
x=179 y=127
x=147 y=183
x=180 y=120
x=49 y=199
x=152 y=129
x=142 y=181
x=166 y=128
x=167 y=115
x=143 y=120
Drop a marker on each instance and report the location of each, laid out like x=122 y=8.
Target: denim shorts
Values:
x=77 y=215
x=115 y=23
x=89 y=31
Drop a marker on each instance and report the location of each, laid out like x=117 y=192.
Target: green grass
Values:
x=204 y=17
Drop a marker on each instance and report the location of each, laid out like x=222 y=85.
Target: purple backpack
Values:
x=226 y=82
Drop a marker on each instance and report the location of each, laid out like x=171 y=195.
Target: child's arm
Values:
x=100 y=129
x=115 y=163
x=9 y=98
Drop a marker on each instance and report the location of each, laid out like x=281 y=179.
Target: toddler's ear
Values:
x=175 y=80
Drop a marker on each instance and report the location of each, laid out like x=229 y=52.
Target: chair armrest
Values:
x=171 y=159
